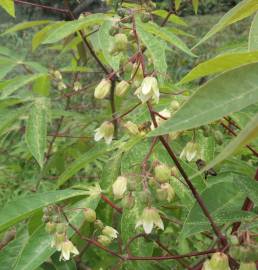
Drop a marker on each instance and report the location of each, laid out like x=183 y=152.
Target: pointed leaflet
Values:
x=253 y=35
x=37 y=250
x=8 y=5
x=36 y=130
x=227 y=93
x=195 y=5
x=244 y=9
x=249 y=133
x=22 y=208
x=156 y=49
x=172 y=18
x=223 y=201
x=68 y=28
x=221 y=63
x=164 y=34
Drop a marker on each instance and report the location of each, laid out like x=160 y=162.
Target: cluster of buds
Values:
x=191 y=151
x=106 y=131
x=57 y=76
x=149 y=219
x=58 y=231
x=148 y=90
x=108 y=234
x=218 y=261
x=165 y=191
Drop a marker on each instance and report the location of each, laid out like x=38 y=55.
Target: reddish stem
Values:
x=106 y=199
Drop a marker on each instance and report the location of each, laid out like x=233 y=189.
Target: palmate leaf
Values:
x=36 y=129
x=8 y=5
x=22 y=208
x=244 y=9
x=37 y=249
x=223 y=201
x=221 y=96
x=220 y=64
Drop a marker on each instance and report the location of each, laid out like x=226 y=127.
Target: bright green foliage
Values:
x=120 y=144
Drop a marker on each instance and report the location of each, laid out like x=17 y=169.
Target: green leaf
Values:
x=63 y=265
x=244 y=9
x=223 y=201
x=6 y=65
x=156 y=49
x=8 y=117
x=8 y=5
x=81 y=162
x=22 y=208
x=25 y=25
x=172 y=18
x=246 y=135
x=68 y=28
x=37 y=250
x=253 y=34
x=104 y=42
x=36 y=130
x=225 y=94
x=177 y=4
x=219 y=64
x=42 y=86
x=249 y=187
x=12 y=85
x=165 y=34
x=195 y=5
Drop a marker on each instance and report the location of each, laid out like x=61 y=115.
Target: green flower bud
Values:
x=218 y=137
x=162 y=173
x=219 y=261
x=121 y=88
x=128 y=201
x=174 y=105
x=98 y=224
x=110 y=232
x=168 y=191
x=51 y=227
x=104 y=240
x=173 y=135
x=102 y=89
x=206 y=130
x=57 y=75
x=89 y=214
x=45 y=218
x=247 y=266
x=132 y=128
x=61 y=227
x=119 y=187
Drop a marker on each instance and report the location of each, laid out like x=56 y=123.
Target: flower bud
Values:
x=174 y=105
x=98 y=224
x=173 y=135
x=61 y=227
x=119 y=187
x=102 y=89
x=121 y=88
x=104 y=240
x=110 y=232
x=174 y=171
x=89 y=214
x=77 y=86
x=51 y=227
x=219 y=261
x=218 y=137
x=106 y=131
x=162 y=173
x=166 y=192
x=120 y=43
x=247 y=266
x=132 y=128
x=57 y=75
x=45 y=218
x=128 y=201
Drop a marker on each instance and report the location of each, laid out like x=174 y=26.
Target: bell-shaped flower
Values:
x=119 y=187
x=167 y=192
x=106 y=131
x=68 y=248
x=191 y=151
x=131 y=127
x=150 y=218
x=102 y=89
x=148 y=90
x=110 y=232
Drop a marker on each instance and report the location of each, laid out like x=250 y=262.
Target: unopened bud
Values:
x=121 y=88
x=102 y=89
x=162 y=173
x=174 y=171
x=128 y=201
x=132 y=128
x=51 y=227
x=219 y=261
x=98 y=224
x=174 y=105
x=166 y=192
x=173 y=135
x=61 y=227
x=104 y=240
x=218 y=137
x=57 y=75
x=89 y=214
x=110 y=232
x=119 y=187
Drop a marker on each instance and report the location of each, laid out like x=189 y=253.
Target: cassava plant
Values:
x=125 y=166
